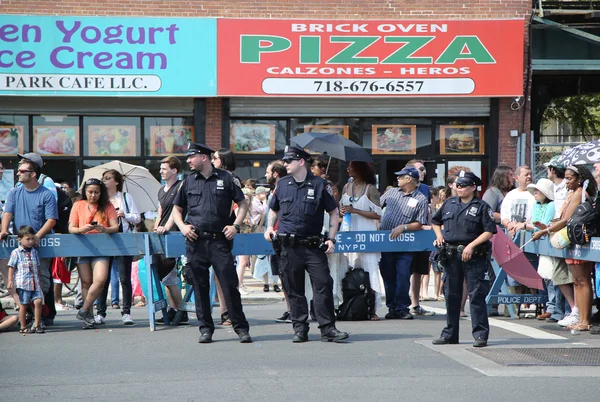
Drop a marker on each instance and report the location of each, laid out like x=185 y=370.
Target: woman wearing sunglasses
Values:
x=93 y=214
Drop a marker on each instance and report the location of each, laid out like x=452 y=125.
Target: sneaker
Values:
x=127 y=319
x=570 y=319
x=184 y=319
x=285 y=318
x=99 y=320
x=170 y=313
x=418 y=310
x=86 y=317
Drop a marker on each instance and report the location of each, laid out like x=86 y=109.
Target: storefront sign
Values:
x=101 y=56
x=370 y=58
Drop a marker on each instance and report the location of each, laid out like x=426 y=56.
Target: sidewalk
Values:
x=254 y=288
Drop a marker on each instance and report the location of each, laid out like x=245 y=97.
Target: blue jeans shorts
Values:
x=91 y=260
x=28 y=296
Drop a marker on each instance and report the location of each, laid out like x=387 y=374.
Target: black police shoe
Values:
x=300 y=337
x=334 y=335
x=245 y=337
x=480 y=343
x=444 y=341
x=205 y=337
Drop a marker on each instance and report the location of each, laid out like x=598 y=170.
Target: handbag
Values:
x=131 y=225
x=545 y=267
x=560 y=239
x=60 y=271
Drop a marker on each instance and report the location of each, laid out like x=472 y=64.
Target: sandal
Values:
x=115 y=306
x=374 y=317
x=266 y=288
x=37 y=330
x=24 y=331
x=463 y=314
x=580 y=327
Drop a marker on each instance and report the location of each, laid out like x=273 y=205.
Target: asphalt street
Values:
x=385 y=360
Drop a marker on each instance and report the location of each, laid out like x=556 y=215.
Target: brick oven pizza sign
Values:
x=370 y=58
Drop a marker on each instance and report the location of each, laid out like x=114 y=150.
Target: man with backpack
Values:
x=33 y=205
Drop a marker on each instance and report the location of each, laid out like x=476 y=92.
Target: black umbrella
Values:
x=332 y=145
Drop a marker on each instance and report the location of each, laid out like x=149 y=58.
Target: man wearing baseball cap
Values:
x=42 y=178
x=406 y=210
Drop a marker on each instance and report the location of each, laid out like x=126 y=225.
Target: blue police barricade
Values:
x=97 y=245
x=255 y=244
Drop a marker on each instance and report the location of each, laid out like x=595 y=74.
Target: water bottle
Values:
x=346 y=222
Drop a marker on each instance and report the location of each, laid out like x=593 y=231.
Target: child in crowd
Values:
x=23 y=267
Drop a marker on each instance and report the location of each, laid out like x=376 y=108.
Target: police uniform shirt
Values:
x=402 y=209
x=207 y=201
x=301 y=206
x=463 y=223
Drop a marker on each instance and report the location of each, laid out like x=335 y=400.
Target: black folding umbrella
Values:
x=332 y=145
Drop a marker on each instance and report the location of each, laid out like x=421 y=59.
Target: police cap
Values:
x=194 y=148
x=468 y=178
x=293 y=153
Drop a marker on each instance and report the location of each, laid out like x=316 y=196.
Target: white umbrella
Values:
x=137 y=182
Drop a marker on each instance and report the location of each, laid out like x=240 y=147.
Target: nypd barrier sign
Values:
x=100 y=56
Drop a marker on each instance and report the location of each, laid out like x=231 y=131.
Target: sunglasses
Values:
x=422 y=168
x=91 y=182
x=24 y=171
x=464 y=185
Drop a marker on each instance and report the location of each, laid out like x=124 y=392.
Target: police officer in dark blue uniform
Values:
x=464 y=242
x=300 y=201
x=205 y=198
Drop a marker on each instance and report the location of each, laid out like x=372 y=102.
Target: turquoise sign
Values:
x=104 y=56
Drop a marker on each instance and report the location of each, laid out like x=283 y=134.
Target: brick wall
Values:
x=333 y=9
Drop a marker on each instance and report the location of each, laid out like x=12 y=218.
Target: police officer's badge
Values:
x=310 y=194
x=472 y=211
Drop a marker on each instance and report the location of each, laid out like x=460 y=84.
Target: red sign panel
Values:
x=370 y=58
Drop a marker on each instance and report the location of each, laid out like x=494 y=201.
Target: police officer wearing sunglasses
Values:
x=300 y=201
x=463 y=228
x=205 y=199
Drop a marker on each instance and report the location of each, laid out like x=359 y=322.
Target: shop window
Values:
x=111 y=136
x=257 y=136
x=14 y=135
x=55 y=135
x=461 y=138
x=165 y=136
x=406 y=136
x=348 y=128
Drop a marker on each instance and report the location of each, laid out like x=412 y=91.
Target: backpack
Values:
x=64 y=206
x=358 y=297
x=585 y=222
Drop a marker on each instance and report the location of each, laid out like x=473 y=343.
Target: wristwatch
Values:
x=332 y=240
x=405 y=228
x=237 y=227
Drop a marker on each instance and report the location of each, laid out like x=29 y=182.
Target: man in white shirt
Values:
x=515 y=212
x=518 y=204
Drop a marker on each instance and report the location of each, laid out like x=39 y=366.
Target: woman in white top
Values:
x=128 y=215
x=360 y=198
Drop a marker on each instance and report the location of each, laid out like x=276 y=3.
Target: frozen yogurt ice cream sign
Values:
x=83 y=56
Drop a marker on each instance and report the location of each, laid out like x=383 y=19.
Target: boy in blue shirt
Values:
x=23 y=267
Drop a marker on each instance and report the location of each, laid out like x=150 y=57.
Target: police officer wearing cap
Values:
x=464 y=241
x=299 y=202
x=205 y=198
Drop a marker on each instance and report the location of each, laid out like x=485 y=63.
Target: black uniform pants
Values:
x=293 y=262
x=201 y=255
x=478 y=286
